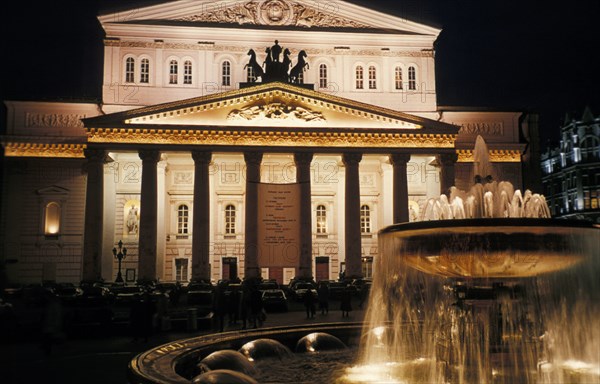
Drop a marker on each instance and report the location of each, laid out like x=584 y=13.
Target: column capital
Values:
x=351 y=158
x=399 y=158
x=151 y=155
x=254 y=158
x=446 y=159
x=202 y=157
x=95 y=155
x=303 y=158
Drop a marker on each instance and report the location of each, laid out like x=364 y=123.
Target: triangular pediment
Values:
x=293 y=14
x=272 y=105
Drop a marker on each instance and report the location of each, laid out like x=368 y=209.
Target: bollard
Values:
x=192 y=319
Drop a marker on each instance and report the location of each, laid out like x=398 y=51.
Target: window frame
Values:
x=183 y=219
x=226 y=75
x=230 y=220
x=323 y=75
x=129 y=72
x=412 y=77
x=321 y=219
x=359 y=77
x=366 y=224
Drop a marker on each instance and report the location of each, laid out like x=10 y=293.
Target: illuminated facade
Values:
x=171 y=161
x=571 y=171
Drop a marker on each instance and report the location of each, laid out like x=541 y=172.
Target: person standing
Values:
x=323 y=297
x=346 y=303
x=52 y=322
x=309 y=303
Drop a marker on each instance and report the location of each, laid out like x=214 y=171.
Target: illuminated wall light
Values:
x=52 y=219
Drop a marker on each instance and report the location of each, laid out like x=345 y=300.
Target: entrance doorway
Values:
x=321 y=268
x=229 y=268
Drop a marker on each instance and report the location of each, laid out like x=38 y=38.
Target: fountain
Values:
x=486 y=289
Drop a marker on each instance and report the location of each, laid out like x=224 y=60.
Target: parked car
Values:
x=268 y=285
x=95 y=295
x=336 y=289
x=68 y=293
x=274 y=299
x=200 y=294
x=127 y=294
x=300 y=289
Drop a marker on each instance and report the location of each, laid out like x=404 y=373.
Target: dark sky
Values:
x=491 y=53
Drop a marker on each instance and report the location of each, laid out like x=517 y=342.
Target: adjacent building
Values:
x=571 y=171
x=269 y=138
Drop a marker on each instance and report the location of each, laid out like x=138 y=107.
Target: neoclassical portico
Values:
x=343 y=127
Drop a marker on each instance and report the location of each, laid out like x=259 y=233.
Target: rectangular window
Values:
x=145 y=71
x=412 y=78
x=398 y=78
x=181 y=269
x=359 y=78
x=129 y=70
x=173 y=69
x=372 y=78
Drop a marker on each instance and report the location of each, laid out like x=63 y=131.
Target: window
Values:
x=181 y=269
x=323 y=76
x=173 y=70
x=183 y=216
x=187 y=72
x=250 y=75
x=130 y=70
x=52 y=219
x=365 y=219
x=359 y=77
x=226 y=73
x=372 y=77
x=145 y=71
x=398 y=78
x=230 y=219
x=321 y=219
x=412 y=78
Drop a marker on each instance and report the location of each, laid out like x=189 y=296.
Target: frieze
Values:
x=53 y=120
x=275 y=111
x=275 y=12
x=270 y=139
x=244 y=49
x=483 y=128
x=181 y=178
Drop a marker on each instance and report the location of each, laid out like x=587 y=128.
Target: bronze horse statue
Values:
x=256 y=68
x=299 y=68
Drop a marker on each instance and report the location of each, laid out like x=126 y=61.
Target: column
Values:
x=352 y=215
x=253 y=160
x=303 y=161
x=161 y=234
x=201 y=224
x=148 y=215
x=447 y=174
x=400 y=188
x=94 y=207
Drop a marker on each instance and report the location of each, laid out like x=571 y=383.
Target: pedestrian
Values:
x=309 y=303
x=52 y=322
x=346 y=303
x=323 y=297
x=220 y=306
x=245 y=304
x=256 y=307
x=233 y=303
x=142 y=317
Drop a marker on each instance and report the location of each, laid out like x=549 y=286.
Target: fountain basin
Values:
x=174 y=362
x=491 y=247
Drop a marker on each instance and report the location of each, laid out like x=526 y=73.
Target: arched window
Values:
x=359 y=74
x=230 y=214
x=250 y=75
x=398 y=78
x=323 y=76
x=145 y=71
x=372 y=77
x=226 y=73
x=321 y=219
x=52 y=219
x=365 y=219
x=187 y=72
x=412 y=78
x=173 y=71
x=183 y=219
x=130 y=70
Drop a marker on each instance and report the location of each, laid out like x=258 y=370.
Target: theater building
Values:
x=269 y=138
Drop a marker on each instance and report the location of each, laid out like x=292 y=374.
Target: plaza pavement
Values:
x=102 y=359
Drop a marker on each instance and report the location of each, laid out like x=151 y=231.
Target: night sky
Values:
x=491 y=53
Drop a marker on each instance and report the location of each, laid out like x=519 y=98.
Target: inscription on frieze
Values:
x=53 y=120
x=483 y=128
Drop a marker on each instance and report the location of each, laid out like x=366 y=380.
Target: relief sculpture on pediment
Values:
x=275 y=12
x=278 y=111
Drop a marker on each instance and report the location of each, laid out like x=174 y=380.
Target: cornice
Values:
x=65 y=151
x=264 y=138
x=495 y=155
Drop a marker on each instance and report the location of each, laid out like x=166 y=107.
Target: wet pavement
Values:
x=93 y=357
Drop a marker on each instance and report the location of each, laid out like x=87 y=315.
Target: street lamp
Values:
x=120 y=255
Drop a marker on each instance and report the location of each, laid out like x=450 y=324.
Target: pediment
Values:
x=271 y=13
x=53 y=190
x=268 y=105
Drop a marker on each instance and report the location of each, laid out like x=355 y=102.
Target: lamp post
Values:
x=120 y=255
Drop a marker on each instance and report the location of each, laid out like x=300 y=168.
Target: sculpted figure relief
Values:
x=276 y=69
